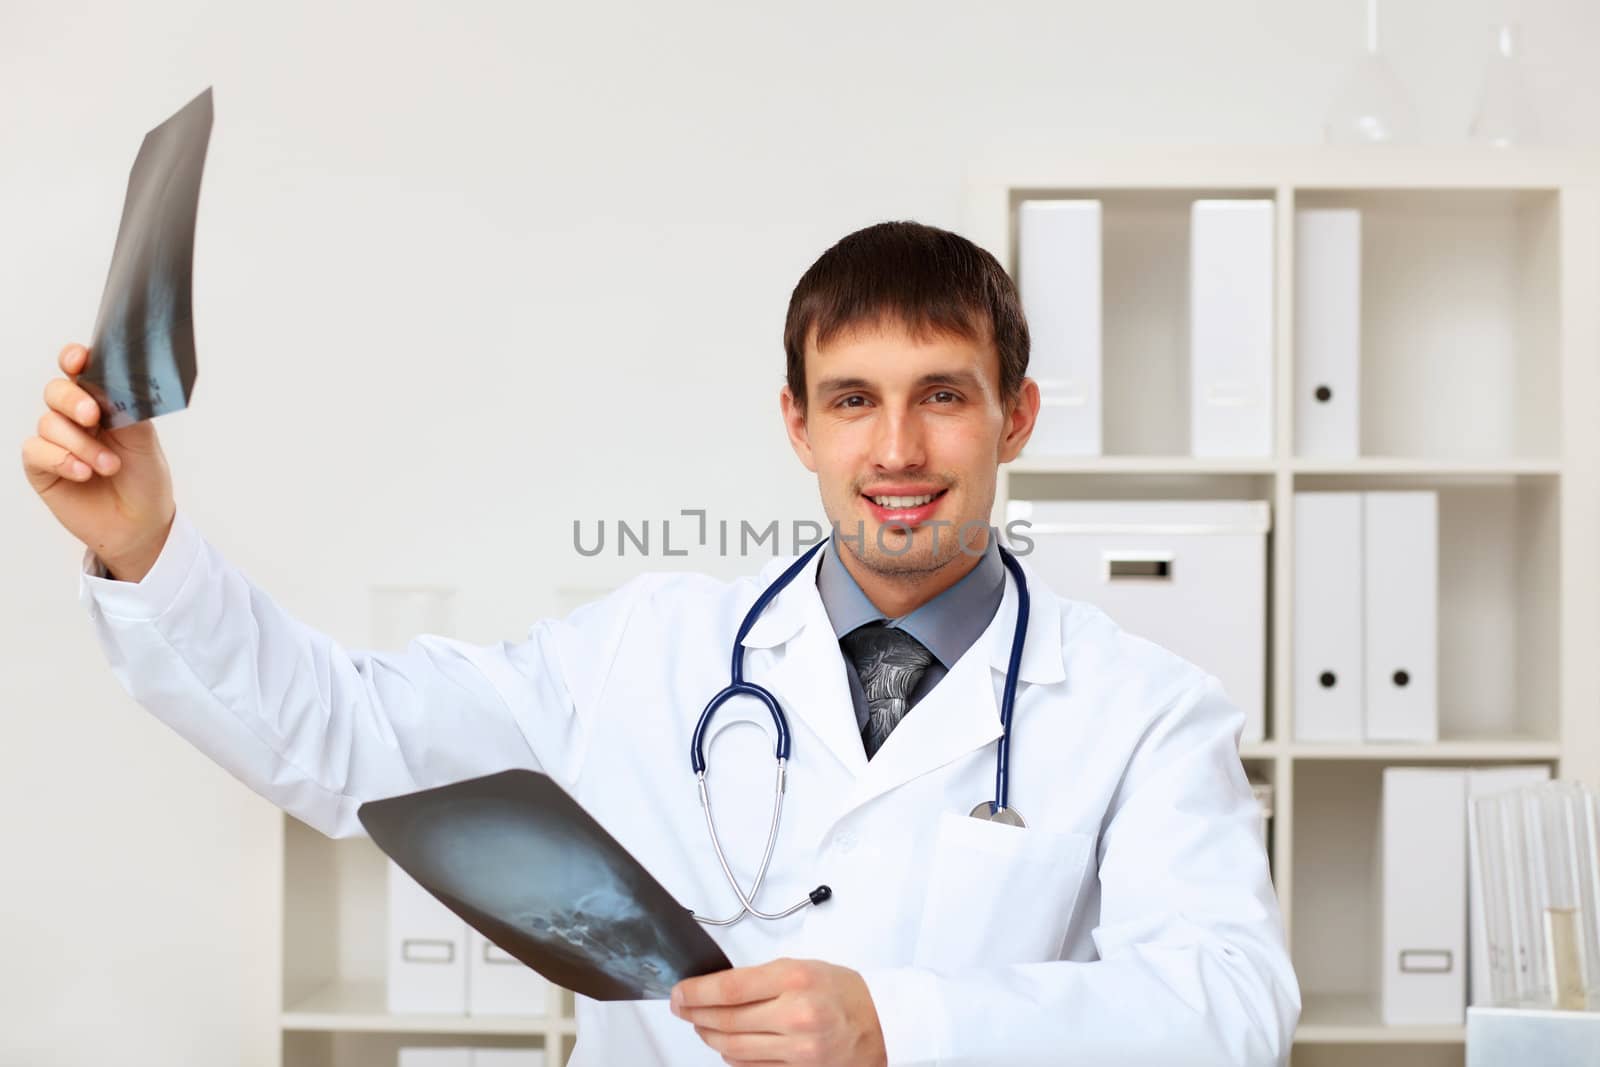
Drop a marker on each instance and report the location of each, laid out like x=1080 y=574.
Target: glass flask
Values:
x=1371 y=106
x=1505 y=115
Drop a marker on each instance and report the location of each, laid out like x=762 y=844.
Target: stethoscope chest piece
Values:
x=989 y=813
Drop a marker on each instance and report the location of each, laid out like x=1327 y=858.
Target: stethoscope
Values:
x=996 y=810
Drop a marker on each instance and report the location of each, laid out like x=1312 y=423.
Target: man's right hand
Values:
x=110 y=488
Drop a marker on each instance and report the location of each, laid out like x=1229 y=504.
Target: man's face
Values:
x=905 y=437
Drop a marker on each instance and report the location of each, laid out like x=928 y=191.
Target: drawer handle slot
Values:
x=1149 y=567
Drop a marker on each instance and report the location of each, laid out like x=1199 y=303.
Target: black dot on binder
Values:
x=1328 y=679
x=1324 y=394
x=1402 y=679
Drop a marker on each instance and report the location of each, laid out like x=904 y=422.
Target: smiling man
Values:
x=1109 y=903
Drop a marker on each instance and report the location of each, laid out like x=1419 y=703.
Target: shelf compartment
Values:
x=1337 y=918
x=1485 y=750
x=352 y=1007
x=1160 y=483
x=1460 y=322
x=1499 y=602
x=374 y=1049
x=1354 y=1018
x=1441 y=469
x=335 y=913
x=1144 y=310
x=1171 y=465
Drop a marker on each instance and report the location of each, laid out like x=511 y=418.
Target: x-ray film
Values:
x=142 y=361
x=519 y=860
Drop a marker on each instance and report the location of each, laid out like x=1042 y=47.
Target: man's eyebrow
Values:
x=961 y=379
x=836 y=385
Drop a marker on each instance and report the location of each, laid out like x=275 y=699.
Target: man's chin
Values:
x=891 y=550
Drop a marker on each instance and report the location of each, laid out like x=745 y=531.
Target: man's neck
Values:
x=898 y=595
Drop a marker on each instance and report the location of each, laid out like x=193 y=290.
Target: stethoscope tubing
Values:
x=737 y=686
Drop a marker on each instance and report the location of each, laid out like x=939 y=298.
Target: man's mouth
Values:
x=901 y=506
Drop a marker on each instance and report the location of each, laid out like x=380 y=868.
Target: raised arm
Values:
x=312 y=726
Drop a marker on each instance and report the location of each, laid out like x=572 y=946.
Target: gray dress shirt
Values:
x=946 y=625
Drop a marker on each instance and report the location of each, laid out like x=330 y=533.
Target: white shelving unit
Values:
x=334 y=1011
x=1480 y=379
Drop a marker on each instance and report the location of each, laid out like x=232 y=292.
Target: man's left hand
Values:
x=786 y=1011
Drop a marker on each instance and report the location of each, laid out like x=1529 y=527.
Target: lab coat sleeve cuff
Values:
x=907 y=1003
x=150 y=597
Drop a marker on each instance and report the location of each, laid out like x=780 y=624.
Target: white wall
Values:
x=467 y=272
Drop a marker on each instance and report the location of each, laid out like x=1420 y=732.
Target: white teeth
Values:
x=902 y=501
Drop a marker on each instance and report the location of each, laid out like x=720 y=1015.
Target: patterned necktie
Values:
x=889 y=662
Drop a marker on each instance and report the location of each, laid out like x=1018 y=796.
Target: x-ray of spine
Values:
x=142 y=361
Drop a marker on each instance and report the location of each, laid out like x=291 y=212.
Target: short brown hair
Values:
x=930 y=280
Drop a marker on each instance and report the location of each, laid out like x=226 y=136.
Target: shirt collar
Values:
x=947 y=625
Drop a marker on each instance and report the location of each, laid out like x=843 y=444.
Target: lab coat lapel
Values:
x=956 y=716
x=807 y=672
x=961 y=714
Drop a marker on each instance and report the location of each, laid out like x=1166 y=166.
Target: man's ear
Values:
x=1020 y=420
x=794 y=421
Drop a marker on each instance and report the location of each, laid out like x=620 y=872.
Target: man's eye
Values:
x=852 y=401
x=944 y=396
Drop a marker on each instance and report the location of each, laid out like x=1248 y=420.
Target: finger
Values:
x=73 y=359
x=737 y=985
x=761 y=1017
x=73 y=401
x=745 y=1046
x=46 y=463
x=54 y=427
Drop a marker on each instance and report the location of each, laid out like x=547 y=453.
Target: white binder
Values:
x=1230 y=327
x=1424 y=896
x=500 y=984
x=1483 y=782
x=427 y=957
x=1328 y=625
x=1058 y=263
x=1327 y=333
x=1400 y=552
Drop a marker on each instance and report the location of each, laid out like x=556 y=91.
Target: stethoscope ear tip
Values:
x=821 y=894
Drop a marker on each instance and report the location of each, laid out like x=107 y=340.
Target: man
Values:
x=1131 y=921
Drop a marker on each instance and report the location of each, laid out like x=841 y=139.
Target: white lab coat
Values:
x=1132 y=921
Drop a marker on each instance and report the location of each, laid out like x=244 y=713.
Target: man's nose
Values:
x=900 y=444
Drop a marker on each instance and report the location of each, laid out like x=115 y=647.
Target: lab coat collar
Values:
x=1042 y=654
x=958 y=715
x=807 y=675
x=800 y=604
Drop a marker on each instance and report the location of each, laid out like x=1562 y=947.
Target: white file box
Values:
x=1327 y=333
x=1230 y=327
x=427 y=957
x=1058 y=263
x=507 y=1057
x=1328 y=626
x=1533 y=1037
x=500 y=984
x=1400 y=556
x=435 y=1057
x=1483 y=782
x=1424 y=895
x=1188 y=575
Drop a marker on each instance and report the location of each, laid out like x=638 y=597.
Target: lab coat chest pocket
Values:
x=999 y=894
